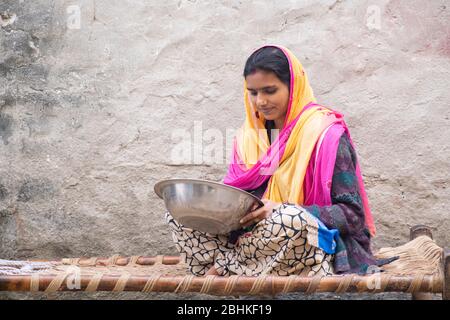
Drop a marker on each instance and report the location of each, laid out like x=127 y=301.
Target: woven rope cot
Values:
x=423 y=268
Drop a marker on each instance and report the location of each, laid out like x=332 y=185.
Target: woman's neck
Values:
x=279 y=123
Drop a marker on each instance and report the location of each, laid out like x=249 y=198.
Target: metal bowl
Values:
x=204 y=205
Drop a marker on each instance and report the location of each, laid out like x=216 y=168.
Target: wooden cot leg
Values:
x=417 y=231
x=446 y=262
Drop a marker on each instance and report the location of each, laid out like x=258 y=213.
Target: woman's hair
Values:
x=269 y=59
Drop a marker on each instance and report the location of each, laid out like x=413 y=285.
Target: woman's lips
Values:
x=267 y=110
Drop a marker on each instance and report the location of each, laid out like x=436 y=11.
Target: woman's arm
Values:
x=259 y=214
x=346 y=214
x=347 y=211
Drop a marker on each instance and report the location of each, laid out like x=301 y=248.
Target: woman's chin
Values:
x=269 y=116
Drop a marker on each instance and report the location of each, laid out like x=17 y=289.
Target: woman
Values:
x=298 y=157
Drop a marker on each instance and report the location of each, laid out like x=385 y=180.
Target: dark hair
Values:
x=270 y=59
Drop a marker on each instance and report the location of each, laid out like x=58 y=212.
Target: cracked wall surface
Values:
x=89 y=103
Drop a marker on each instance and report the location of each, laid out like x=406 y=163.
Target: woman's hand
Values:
x=257 y=215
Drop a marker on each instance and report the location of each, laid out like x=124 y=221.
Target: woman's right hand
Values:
x=259 y=214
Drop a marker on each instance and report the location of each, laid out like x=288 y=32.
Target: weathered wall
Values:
x=87 y=112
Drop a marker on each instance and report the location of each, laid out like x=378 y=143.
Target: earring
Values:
x=257 y=114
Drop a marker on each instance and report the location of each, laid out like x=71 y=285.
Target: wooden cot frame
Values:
x=420 y=286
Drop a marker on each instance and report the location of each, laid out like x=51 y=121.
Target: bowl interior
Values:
x=206 y=205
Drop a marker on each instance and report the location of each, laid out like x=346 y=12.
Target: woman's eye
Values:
x=271 y=91
x=253 y=93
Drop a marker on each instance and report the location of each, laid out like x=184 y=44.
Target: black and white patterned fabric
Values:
x=282 y=244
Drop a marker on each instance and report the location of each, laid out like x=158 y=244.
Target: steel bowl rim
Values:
x=160 y=184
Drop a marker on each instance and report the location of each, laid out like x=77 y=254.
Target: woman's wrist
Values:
x=260 y=214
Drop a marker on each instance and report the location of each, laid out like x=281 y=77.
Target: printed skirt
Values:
x=283 y=244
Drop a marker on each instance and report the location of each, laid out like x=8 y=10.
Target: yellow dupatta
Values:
x=286 y=183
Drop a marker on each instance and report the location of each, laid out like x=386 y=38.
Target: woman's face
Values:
x=269 y=94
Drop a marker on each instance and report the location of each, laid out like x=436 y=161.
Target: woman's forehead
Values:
x=261 y=79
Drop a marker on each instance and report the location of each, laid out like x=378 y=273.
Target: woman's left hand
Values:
x=259 y=214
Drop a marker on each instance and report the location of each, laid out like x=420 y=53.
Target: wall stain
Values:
x=3 y=192
x=6 y=130
x=34 y=189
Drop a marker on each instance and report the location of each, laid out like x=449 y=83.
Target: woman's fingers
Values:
x=259 y=214
x=248 y=219
x=249 y=216
x=250 y=222
x=252 y=214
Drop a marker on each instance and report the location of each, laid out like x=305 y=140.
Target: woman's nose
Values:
x=261 y=100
